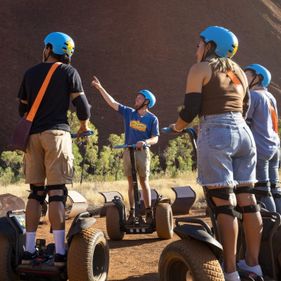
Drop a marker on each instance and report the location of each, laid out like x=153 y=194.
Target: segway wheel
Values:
x=189 y=260
x=164 y=221
x=113 y=223
x=6 y=270
x=88 y=256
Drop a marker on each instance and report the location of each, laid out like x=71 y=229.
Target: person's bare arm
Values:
x=84 y=124
x=106 y=96
x=149 y=142
x=198 y=76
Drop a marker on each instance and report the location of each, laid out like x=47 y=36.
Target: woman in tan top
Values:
x=216 y=91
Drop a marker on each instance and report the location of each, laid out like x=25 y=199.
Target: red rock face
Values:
x=131 y=45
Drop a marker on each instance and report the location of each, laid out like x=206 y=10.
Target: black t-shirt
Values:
x=52 y=112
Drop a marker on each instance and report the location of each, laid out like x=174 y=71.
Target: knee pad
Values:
x=249 y=209
x=57 y=198
x=262 y=189
x=221 y=193
x=252 y=208
x=34 y=190
x=276 y=191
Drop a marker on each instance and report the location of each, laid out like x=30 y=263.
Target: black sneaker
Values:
x=131 y=217
x=60 y=260
x=28 y=257
x=148 y=216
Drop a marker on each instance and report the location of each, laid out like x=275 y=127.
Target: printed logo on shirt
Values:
x=137 y=125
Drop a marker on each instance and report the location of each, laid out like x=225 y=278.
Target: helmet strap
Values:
x=142 y=105
x=207 y=51
x=252 y=84
x=45 y=58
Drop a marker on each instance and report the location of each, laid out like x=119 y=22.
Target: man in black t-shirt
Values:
x=49 y=159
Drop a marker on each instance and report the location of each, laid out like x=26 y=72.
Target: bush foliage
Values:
x=92 y=162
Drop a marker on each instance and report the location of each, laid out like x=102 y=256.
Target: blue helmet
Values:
x=262 y=71
x=148 y=96
x=62 y=44
x=226 y=41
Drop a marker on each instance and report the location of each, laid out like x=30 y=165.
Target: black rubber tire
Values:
x=164 y=221
x=88 y=256
x=113 y=223
x=187 y=260
x=6 y=271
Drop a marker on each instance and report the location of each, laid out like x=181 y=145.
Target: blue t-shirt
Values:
x=259 y=119
x=138 y=128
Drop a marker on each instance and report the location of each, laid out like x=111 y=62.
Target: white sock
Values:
x=30 y=242
x=255 y=269
x=59 y=236
x=232 y=276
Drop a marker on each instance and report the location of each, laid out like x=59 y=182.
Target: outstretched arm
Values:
x=106 y=96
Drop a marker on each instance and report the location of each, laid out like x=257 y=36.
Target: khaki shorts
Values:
x=142 y=162
x=48 y=158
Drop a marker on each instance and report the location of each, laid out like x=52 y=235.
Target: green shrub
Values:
x=110 y=164
x=11 y=164
x=178 y=155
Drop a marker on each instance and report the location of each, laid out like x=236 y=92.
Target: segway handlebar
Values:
x=82 y=135
x=190 y=131
x=128 y=146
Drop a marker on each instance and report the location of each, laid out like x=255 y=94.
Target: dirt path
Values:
x=135 y=258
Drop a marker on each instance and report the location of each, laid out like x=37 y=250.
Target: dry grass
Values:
x=90 y=190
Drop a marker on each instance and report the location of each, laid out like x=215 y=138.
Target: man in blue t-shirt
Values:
x=262 y=118
x=142 y=129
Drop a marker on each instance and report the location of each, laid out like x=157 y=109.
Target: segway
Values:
x=198 y=255
x=87 y=251
x=116 y=223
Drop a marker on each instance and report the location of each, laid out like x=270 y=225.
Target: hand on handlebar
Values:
x=140 y=145
x=174 y=129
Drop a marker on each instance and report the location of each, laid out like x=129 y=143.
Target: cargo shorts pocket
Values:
x=67 y=167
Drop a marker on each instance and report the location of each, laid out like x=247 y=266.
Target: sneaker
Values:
x=148 y=216
x=131 y=217
x=28 y=257
x=255 y=269
x=233 y=276
x=60 y=260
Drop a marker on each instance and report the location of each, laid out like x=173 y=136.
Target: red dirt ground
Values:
x=135 y=258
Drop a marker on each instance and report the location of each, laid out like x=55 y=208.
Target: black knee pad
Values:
x=254 y=208
x=34 y=193
x=57 y=198
x=265 y=191
x=275 y=190
x=249 y=209
x=244 y=189
x=221 y=193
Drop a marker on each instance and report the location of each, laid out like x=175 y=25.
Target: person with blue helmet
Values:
x=262 y=118
x=216 y=91
x=142 y=129
x=48 y=158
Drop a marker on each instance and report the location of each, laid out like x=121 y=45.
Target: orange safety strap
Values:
x=41 y=93
x=274 y=118
x=233 y=77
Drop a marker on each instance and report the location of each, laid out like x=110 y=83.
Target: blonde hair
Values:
x=221 y=64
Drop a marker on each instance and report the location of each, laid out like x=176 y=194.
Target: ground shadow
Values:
x=145 y=277
x=130 y=243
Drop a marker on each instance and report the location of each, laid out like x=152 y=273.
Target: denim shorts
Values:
x=226 y=151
